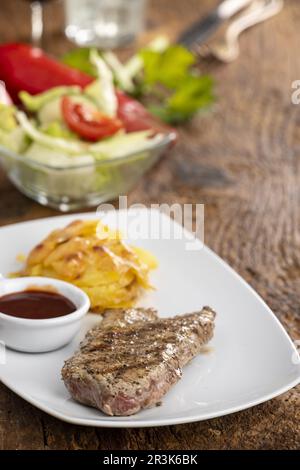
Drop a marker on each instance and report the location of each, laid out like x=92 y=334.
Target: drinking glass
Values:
x=104 y=23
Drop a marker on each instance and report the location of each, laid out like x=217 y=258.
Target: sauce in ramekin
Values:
x=36 y=304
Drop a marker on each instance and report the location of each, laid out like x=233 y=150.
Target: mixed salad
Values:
x=84 y=108
x=71 y=124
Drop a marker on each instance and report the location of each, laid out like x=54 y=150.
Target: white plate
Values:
x=252 y=359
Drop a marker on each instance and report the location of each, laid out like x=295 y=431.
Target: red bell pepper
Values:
x=27 y=68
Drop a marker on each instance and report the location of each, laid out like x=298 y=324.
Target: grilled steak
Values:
x=133 y=358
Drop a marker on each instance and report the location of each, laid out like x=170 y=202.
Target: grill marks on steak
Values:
x=133 y=358
x=119 y=318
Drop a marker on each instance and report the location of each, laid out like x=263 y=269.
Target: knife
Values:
x=200 y=31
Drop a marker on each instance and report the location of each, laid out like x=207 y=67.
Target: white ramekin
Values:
x=34 y=336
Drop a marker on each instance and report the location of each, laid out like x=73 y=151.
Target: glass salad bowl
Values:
x=81 y=185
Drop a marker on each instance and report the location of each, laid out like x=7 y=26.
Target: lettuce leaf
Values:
x=12 y=136
x=121 y=74
x=169 y=67
x=15 y=140
x=36 y=102
x=54 y=157
x=79 y=59
x=136 y=63
x=193 y=94
x=121 y=144
x=102 y=90
x=56 y=143
x=57 y=129
x=7 y=117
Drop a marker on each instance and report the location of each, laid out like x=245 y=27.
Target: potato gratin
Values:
x=95 y=258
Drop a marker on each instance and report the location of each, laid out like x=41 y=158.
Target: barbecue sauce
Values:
x=36 y=304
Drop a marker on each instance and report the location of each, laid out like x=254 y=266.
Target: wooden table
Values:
x=242 y=160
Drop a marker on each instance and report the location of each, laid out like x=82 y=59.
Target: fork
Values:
x=227 y=49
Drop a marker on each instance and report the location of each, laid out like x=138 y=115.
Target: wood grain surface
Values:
x=242 y=160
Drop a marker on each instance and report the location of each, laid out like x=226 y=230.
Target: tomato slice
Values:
x=86 y=122
x=136 y=117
